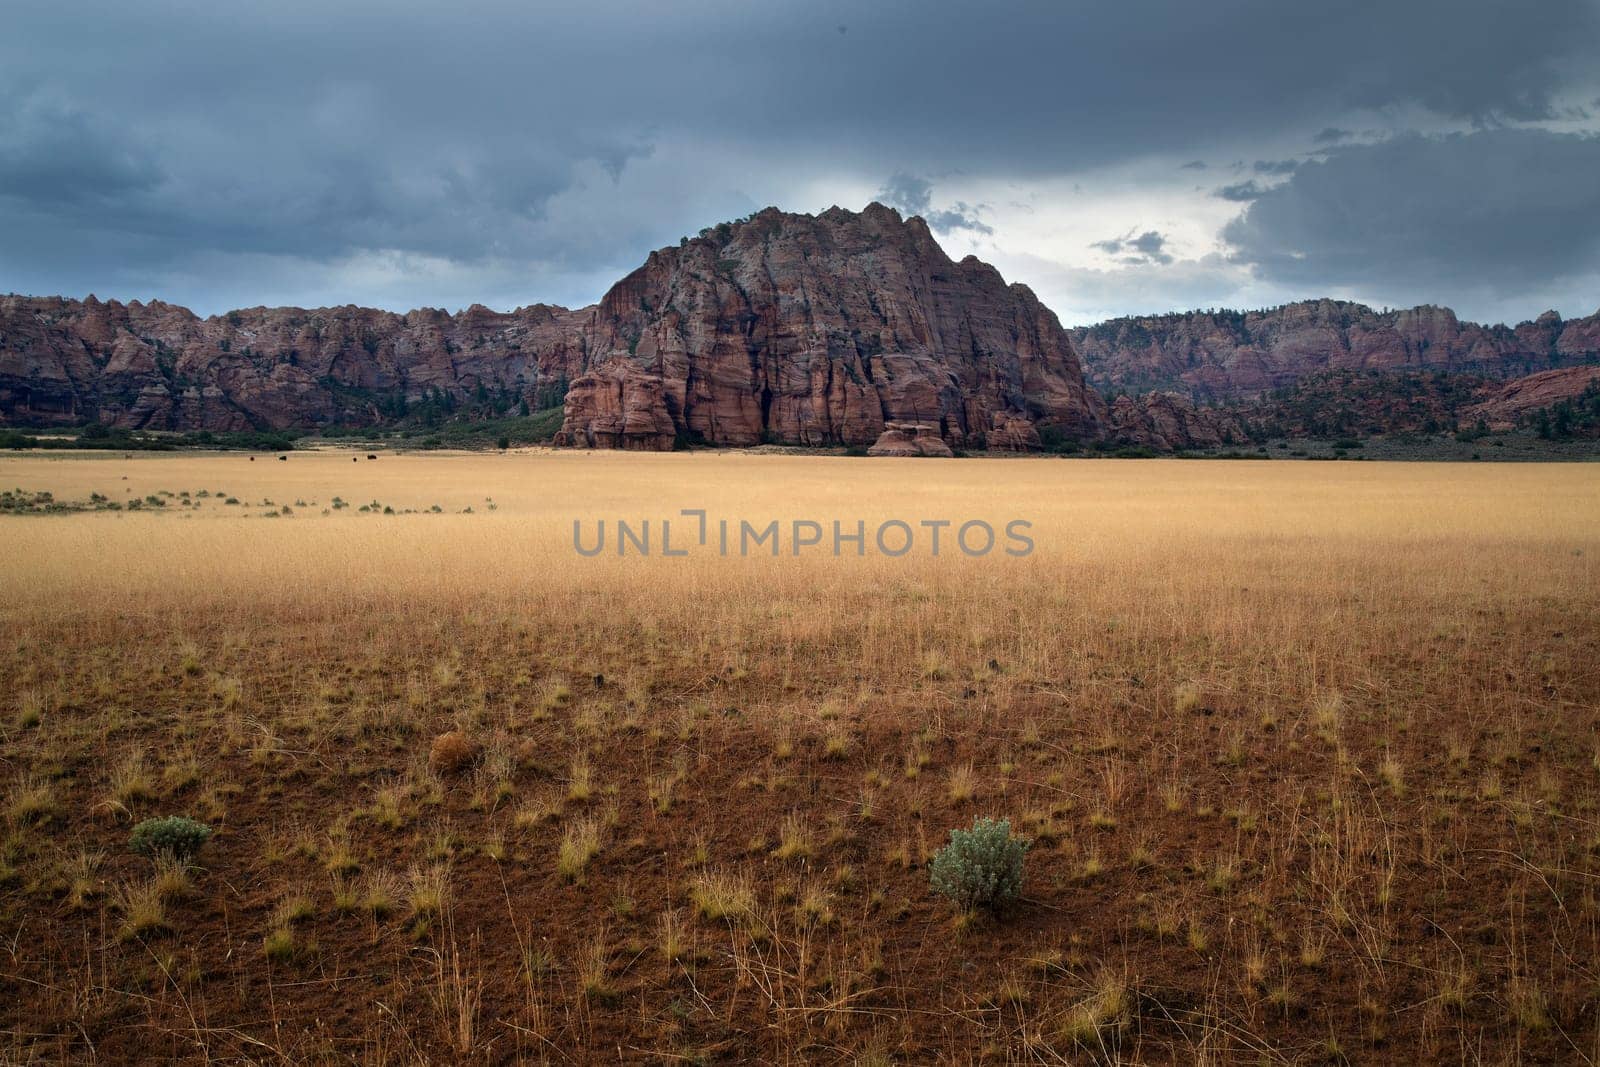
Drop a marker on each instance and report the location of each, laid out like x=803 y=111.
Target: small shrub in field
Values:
x=453 y=753
x=980 y=867
x=170 y=835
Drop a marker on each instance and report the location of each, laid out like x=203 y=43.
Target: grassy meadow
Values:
x=1307 y=753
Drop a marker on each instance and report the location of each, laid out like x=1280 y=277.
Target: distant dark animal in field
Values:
x=252 y=459
x=371 y=456
x=355 y=459
x=283 y=459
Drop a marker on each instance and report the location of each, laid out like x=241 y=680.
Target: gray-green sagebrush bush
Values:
x=170 y=835
x=980 y=867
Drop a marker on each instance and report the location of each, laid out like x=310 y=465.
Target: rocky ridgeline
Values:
x=1229 y=356
x=159 y=366
x=814 y=330
x=842 y=328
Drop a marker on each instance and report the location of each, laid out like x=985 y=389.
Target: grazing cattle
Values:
x=283 y=459
x=355 y=459
x=371 y=456
x=252 y=459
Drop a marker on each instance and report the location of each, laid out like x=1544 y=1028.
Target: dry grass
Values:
x=1308 y=752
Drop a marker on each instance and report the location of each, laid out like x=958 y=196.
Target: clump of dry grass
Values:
x=794 y=841
x=32 y=801
x=580 y=843
x=721 y=895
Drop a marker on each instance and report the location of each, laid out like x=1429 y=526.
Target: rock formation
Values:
x=1230 y=355
x=842 y=328
x=1508 y=405
x=811 y=330
x=910 y=439
x=819 y=330
x=158 y=366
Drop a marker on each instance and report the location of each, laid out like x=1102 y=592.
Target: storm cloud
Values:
x=502 y=151
x=1502 y=214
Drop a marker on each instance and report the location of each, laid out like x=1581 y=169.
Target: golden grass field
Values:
x=1307 y=752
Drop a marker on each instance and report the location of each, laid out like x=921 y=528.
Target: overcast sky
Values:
x=1119 y=157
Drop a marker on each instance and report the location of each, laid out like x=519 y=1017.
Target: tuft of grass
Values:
x=130 y=780
x=579 y=845
x=292 y=909
x=660 y=788
x=32 y=802
x=815 y=907
x=580 y=785
x=960 y=787
x=381 y=893
x=670 y=941
x=143 y=905
x=836 y=744
x=346 y=895
x=720 y=895
x=594 y=970
x=279 y=945
x=1392 y=774
x=793 y=840
x=1527 y=1004
x=1098 y=1020
x=428 y=891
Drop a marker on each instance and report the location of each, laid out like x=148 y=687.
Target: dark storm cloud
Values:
x=558 y=140
x=53 y=156
x=1502 y=211
x=1137 y=248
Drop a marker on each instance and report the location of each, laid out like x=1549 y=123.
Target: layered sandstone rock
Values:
x=819 y=330
x=158 y=366
x=1235 y=355
x=622 y=406
x=910 y=439
x=1009 y=433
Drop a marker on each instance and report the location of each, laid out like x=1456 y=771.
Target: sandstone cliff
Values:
x=158 y=366
x=1228 y=355
x=819 y=330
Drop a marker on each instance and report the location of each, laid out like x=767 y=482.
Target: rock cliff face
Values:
x=821 y=330
x=1226 y=356
x=158 y=366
